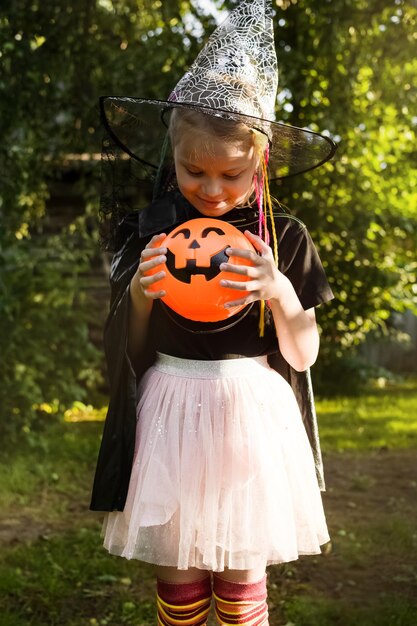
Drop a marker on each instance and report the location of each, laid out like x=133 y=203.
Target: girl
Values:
x=205 y=465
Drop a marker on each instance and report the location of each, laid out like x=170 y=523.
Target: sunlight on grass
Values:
x=61 y=459
x=66 y=577
x=80 y=412
x=381 y=418
x=41 y=470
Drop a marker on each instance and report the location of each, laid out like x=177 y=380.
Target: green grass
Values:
x=71 y=580
x=47 y=467
x=64 y=577
x=310 y=611
x=388 y=536
x=62 y=461
x=382 y=418
x=58 y=466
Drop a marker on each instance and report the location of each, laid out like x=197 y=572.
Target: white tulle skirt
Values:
x=223 y=473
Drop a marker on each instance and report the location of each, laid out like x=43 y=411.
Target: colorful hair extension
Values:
x=264 y=202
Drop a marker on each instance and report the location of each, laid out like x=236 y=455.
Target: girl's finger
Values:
x=147 y=253
x=154 y=295
x=257 y=242
x=242 y=270
x=250 y=255
x=155 y=240
x=153 y=247
x=146 y=281
x=242 y=301
x=250 y=285
x=145 y=266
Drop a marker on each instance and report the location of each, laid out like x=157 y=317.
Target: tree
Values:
x=348 y=68
x=57 y=59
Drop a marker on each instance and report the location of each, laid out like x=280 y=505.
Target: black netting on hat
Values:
x=138 y=127
x=127 y=185
x=137 y=164
x=235 y=76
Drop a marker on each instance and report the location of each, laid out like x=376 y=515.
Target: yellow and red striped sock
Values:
x=241 y=603
x=183 y=604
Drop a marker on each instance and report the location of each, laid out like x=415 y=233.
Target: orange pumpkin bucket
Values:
x=196 y=249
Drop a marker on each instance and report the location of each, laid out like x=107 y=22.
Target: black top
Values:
x=298 y=259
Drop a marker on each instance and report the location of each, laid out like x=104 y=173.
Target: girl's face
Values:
x=216 y=180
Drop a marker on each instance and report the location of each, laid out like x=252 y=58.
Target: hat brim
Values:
x=138 y=126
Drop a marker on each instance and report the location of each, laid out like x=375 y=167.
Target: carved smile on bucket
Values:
x=193 y=279
x=191 y=268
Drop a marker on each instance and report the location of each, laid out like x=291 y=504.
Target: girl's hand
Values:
x=152 y=256
x=295 y=328
x=266 y=283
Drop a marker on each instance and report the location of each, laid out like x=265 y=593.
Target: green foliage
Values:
x=344 y=371
x=346 y=68
x=46 y=352
x=56 y=61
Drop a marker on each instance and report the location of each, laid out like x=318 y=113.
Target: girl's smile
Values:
x=216 y=179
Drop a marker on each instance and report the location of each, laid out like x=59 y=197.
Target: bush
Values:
x=47 y=356
x=344 y=373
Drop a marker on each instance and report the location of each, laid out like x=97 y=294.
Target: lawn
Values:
x=54 y=572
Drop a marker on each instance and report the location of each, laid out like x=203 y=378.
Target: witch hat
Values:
x=235 y=76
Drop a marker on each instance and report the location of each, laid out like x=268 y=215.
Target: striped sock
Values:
x=241 y=603
x=183 y=604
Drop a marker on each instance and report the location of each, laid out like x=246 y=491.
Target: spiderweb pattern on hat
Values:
x=237 y=69
x=235 y=76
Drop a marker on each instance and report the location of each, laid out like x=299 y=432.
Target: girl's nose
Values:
x=212 y=187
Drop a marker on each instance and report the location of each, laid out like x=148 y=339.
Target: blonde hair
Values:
x=211 y=127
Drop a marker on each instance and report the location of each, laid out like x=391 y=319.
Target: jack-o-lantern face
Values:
x=195 y=250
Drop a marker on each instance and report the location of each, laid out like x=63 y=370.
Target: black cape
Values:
x=115 y=459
